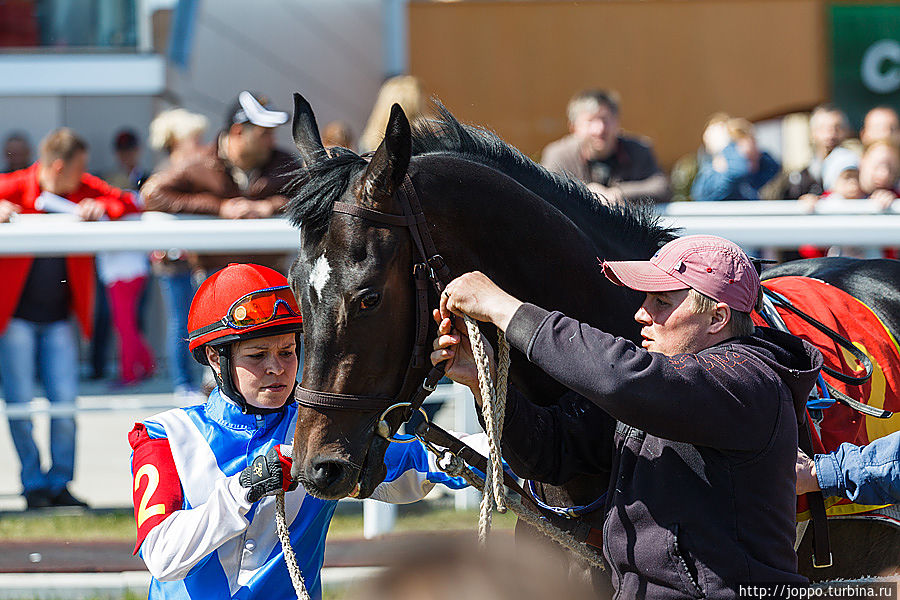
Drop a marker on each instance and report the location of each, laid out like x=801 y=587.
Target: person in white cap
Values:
x=240 y=177
x=701 y=496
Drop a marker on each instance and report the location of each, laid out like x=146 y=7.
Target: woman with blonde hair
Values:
x=405 y=90
x=178 y=133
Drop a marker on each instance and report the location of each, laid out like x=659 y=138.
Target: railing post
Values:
x=465 y=420
x=378 y=518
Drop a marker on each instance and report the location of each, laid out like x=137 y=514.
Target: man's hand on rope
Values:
x=475 y=295
x=453 y=345
x=269 y=474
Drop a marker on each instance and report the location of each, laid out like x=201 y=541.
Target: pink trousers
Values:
x=135 y=357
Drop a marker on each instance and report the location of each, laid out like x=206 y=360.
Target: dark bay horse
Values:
x=487 y=207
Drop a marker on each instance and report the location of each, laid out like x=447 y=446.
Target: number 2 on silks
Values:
x=145 y=512
x=152 y=461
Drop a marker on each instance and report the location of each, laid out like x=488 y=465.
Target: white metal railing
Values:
x=788 y=223
x=65 y=234
x=825 y=206
x=782 y=224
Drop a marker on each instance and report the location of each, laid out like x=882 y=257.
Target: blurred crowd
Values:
x=729 y=164
x=234 y=170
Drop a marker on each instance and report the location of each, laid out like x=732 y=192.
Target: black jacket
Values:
x=702 y=494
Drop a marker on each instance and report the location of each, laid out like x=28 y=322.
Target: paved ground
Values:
x=102 y=467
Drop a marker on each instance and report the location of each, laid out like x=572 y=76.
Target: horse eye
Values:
x=370 y=301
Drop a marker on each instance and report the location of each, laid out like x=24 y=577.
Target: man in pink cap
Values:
x=702 y=493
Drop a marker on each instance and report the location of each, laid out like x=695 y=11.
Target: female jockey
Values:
x=204 y=476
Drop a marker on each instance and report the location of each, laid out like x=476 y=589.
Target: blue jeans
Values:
x=177 y=292
x=55 y=346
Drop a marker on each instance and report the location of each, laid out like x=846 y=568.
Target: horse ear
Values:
x=306 y=132
x=386 y=170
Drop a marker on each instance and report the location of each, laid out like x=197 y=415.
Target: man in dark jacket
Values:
x=241 y=177
x=620 y=168
x=702 y=492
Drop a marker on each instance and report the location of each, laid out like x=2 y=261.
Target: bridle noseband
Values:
x=430 y=268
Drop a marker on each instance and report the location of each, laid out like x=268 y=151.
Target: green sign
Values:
x=865 y=57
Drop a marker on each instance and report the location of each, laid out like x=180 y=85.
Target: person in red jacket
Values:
x=39 y=296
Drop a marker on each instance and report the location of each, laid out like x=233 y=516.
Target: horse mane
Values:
x=316 y=187
x=446 y=135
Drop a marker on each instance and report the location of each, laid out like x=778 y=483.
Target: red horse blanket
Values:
x=858 y=323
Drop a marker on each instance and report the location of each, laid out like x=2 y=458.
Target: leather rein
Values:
x=429 y=268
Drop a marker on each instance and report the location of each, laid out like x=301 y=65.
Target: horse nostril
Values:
x=326 y=473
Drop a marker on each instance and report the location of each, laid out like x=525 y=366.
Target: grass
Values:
x=119 y=525
x=105 y=526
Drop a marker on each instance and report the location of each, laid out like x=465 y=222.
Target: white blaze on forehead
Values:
x=319 y=275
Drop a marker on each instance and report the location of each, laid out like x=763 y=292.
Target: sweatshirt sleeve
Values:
x=717 y=398
x=570 y=434
x=868 y=474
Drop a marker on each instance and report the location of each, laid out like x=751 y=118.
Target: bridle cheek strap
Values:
x=430 y=268
x=334 y=401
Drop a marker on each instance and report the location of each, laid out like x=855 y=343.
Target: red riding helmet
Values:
x=240 y=302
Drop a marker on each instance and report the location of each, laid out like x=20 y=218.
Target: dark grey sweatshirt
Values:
x=702 y=494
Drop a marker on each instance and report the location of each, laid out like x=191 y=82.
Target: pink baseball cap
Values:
x=709 y=264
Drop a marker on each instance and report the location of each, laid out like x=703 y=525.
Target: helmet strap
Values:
x=226 y=383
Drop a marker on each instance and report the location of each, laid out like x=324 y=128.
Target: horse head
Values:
x=352 y=280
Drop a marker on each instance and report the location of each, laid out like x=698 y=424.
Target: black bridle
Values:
x=429 y=268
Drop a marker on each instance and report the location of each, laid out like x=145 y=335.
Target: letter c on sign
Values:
x=875 y=76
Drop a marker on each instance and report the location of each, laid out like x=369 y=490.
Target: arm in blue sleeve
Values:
x=714 y=185
x=411 y=474
x=768 y=169
x=868 y=474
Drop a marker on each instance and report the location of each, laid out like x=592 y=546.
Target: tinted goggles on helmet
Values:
x=261 y=306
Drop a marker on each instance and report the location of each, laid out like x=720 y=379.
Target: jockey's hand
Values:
x=91 y=210
x=453 y=345
x=269 y=474
x=806 y=474
x=7 y=210
x=475 y=295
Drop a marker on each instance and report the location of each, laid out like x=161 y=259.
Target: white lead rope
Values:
x=493 y=410
x=289 y=557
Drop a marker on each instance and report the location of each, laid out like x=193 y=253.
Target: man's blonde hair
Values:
x=61 y=144
x=741 y=322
